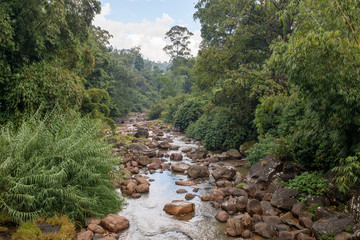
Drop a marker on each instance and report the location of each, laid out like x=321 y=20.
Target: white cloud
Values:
x=149 y=35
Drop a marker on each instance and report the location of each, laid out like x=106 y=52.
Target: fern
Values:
x=56 y=164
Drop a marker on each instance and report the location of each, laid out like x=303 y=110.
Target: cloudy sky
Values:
x=145 y=22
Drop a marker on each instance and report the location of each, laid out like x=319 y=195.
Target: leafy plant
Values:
x=308 y=184
x=260 y=150
x=329 y=236
x=56 y=164
x=347 y=173
x=240 y=185
x=30 y=230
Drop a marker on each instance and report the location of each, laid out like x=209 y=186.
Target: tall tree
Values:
x=179 y=37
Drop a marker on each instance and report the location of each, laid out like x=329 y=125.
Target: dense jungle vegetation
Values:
x=281 y=76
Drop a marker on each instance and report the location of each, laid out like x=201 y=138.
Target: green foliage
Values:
x=56 y=164
x=155 y=111
x=308 y=184
x=240 y=185
x=187 y=113
x=260 y=150
x=349 y=229
x=347 y=173
x=179 y=37
x=218 y=129
x=329 y=236
x=27 y=231
x=30 y=230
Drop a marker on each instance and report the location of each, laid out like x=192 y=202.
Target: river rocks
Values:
x=164 y=145
x=95 y=228
x=264 y=171
x=142 y=188
x=189 y=196
x=142 y=133
x=185 y=183
x=138 y=147
x=254 y=207
x=176 y=156
x=284 y=198
x=196 y=171
x=179 y=207
x=186 y=150
x=230 y=206
x=222 y=216
x=179 y=167
x=87 y=235
x=206 y=198
x=332 y=224
x=233 y=154
x=225 y=172
x=115 y=223
x=143 y=160
x=181 y=191
x=265 y=230
x=217 y=195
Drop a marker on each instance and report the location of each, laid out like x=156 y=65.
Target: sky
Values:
x=144 y=23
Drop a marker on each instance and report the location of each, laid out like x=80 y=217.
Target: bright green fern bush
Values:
x=56 y=164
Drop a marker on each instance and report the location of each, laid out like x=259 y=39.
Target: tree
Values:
x=179 y=37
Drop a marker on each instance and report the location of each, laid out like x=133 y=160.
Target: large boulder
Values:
x=138 y=147
x=239 y=225
x=222 y=216
x=225 y=172
x=233 y=154
x=284 y=198
x=178 y=207
x=176 y=156
x=143 y=160
x=179 y=167
x=335 y=223
x=164 y=145
x=265 y=230
x=142 y=133
x=264 y=171
x=115 y=223
x=185 y=183
x=196 y=171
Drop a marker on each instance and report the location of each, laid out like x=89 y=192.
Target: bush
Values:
x=187 y=113
x=219 y=130
x=30 y=230
x=260 y=150
x=308 y=184
x=347 y=173
x=155 y=111
x=56 y=164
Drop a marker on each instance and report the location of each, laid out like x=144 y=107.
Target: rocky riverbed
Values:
x=176 y=189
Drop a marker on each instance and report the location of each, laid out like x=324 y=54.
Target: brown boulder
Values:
x=284 y=198
x=189 y=196
x=222 y=216
x=87 y=235
x=143 y=160
x=178 y=207
x=196 y=171
x=164 y=145
x=176 y=156
x=142 y=188
x=180 y=191
x=265 y=230
x=115 y=223
x=217 y=195
x=179 y=167
x=254 y=207
x=233 y=154
x=225 y=172
x=185 y=183
x=95 y=228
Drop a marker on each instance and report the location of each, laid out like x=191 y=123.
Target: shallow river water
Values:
x=149 y=221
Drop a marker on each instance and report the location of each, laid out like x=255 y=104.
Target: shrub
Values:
x=30 y=230
x=56 y=164
x=187 y=113
x=219 y=130
x=347 y=173
x=308 y=184
x=155 y=111
x=260 y=150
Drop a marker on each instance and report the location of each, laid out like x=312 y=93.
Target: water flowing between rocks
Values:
x=147 y=218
